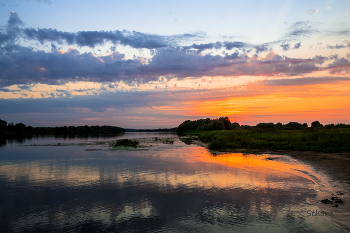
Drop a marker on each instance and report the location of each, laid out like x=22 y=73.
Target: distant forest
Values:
x=224 y=123
x=20 y=128
x=152 y=130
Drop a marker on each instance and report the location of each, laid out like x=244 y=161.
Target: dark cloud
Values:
x=234 y=55
x=340 y=33
x=90 y=38
x=27 y=66
x=94 y=38
x=303 y=81
x=218 y=45
x=276 y=65
x=201 y=47
x=285 y=47
x=181 y=64
x=261 y=48
x=2 y=89
x=235 y=44
x=99 y=103
x=12 y=30
x=297 y=45
x=51 y=35
x=346 y=44
x=339 y=65
x=300 y=29
x=336 y=46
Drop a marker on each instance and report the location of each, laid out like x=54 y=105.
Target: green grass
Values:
x=324 y=140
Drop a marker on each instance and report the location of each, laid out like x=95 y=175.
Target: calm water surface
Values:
x=61 y=185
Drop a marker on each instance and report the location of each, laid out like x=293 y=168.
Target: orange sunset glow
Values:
x=174 y=116
x=291 y=70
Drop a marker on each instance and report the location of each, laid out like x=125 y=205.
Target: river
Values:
x=56 y=184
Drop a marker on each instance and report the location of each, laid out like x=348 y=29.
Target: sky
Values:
x=155 y=64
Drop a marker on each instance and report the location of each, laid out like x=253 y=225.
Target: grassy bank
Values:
x=324 y=140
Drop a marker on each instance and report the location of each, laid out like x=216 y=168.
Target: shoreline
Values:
x=335 y=166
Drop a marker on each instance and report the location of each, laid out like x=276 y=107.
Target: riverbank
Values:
x=335 y=166
x=321 y=140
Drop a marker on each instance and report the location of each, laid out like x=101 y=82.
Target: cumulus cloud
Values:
x=58 y=68
x=345 y=44
x=285 y=46
x=339 y=65
x=235 y=44
x=12 y=29
x=261 y=48
x=297 y=45
x=26 y=65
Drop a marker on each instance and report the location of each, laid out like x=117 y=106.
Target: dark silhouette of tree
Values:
x=265 y=125
x=293 y=125
x=234 y=125
x=20 y=127
x=10 y=127
x=204 y=125
x=226 y=122
x=3 y=125
x=315 y=124
x=279 y=125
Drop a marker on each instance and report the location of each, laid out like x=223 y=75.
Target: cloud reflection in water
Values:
x=170 y=187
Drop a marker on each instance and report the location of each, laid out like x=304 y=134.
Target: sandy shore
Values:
x=335 y=165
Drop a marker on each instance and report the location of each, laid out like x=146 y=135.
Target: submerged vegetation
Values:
x=222 y=134
x=125 y=142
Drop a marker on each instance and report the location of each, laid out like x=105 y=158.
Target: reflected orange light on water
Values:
x=195 y=167
x=254 y=169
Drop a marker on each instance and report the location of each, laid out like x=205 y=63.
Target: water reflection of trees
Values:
x=2 y=141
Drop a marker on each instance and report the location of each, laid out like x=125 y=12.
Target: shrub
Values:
x=125 y=142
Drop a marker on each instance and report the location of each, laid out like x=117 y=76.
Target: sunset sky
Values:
x=155 y=64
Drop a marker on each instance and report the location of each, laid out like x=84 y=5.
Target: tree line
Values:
x=224 y=123
x=152 y=130
x=20 y=128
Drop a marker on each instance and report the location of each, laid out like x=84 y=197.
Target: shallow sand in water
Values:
x=334 y=166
